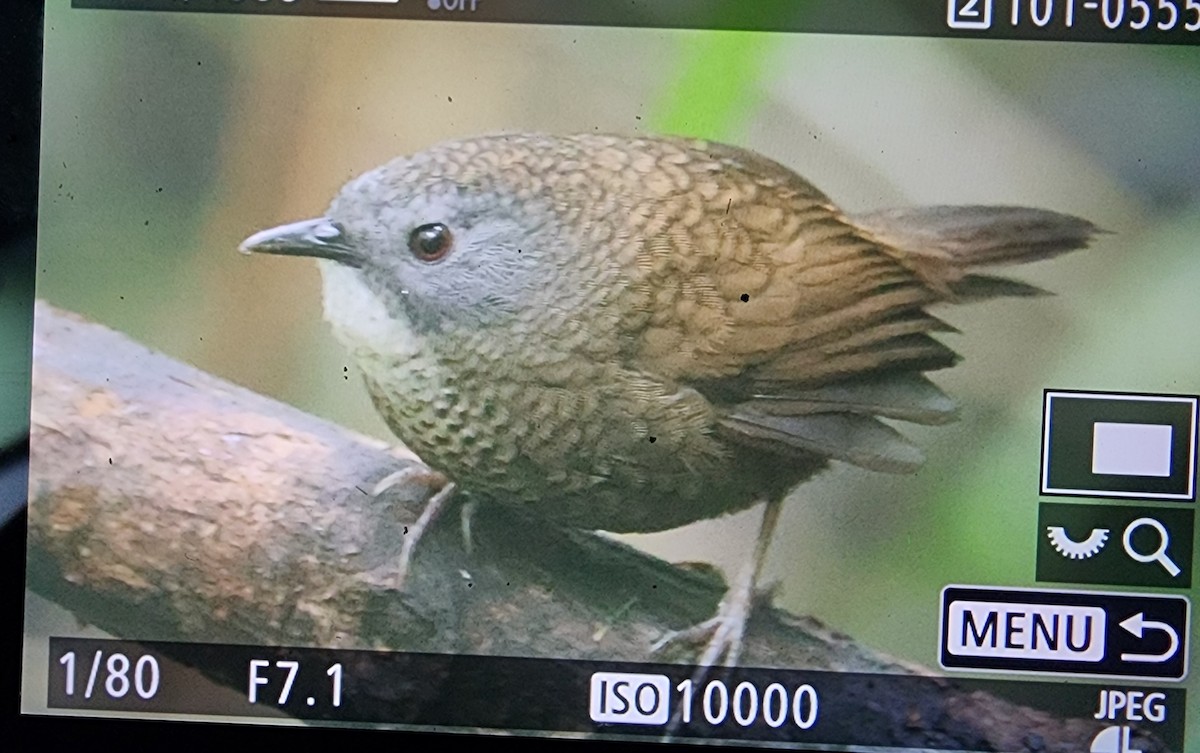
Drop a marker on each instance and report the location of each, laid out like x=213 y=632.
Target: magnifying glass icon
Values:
x=1159 y=554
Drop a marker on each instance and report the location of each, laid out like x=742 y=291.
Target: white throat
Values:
x=361 y=321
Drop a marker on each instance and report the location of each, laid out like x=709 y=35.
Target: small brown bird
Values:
x=632 y=334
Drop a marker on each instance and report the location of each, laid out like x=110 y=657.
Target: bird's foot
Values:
x=433 y=507
x=725 y=631
x=411 y=474
x=721 y=634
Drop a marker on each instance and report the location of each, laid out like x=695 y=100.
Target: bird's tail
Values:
x=945 y=244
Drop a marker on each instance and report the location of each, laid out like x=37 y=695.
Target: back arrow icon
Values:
x=1136 y=624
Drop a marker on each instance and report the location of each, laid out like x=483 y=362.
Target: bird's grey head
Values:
x=441 y=241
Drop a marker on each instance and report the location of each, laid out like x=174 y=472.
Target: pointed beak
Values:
x=321 y=238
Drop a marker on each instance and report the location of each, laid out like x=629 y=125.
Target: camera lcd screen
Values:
x=819 y=374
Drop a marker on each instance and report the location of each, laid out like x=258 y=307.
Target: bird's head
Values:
x=462 y=235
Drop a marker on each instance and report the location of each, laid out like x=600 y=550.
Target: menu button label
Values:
x=1026 y=631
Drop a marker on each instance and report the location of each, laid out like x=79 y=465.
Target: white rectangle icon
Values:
x=969 y=14
x=1131 y=449
x=1115 y=451
x=1026 y=631
x=627 y=698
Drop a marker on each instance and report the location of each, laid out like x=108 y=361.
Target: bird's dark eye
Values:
x=430 y=242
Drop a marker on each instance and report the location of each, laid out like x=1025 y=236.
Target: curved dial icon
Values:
x=1077 y=550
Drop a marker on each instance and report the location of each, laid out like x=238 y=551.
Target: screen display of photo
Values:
x=794 y=375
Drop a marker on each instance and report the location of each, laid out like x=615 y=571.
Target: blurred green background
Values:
x=168 y=138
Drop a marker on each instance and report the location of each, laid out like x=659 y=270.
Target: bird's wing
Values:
x=801 y=325
x=751 y=270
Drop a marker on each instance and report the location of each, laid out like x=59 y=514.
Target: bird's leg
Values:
x=724 y=631
x=466 y=513
x=433 y=507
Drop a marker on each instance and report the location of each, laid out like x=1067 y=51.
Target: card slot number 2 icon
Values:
x=969 y=14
